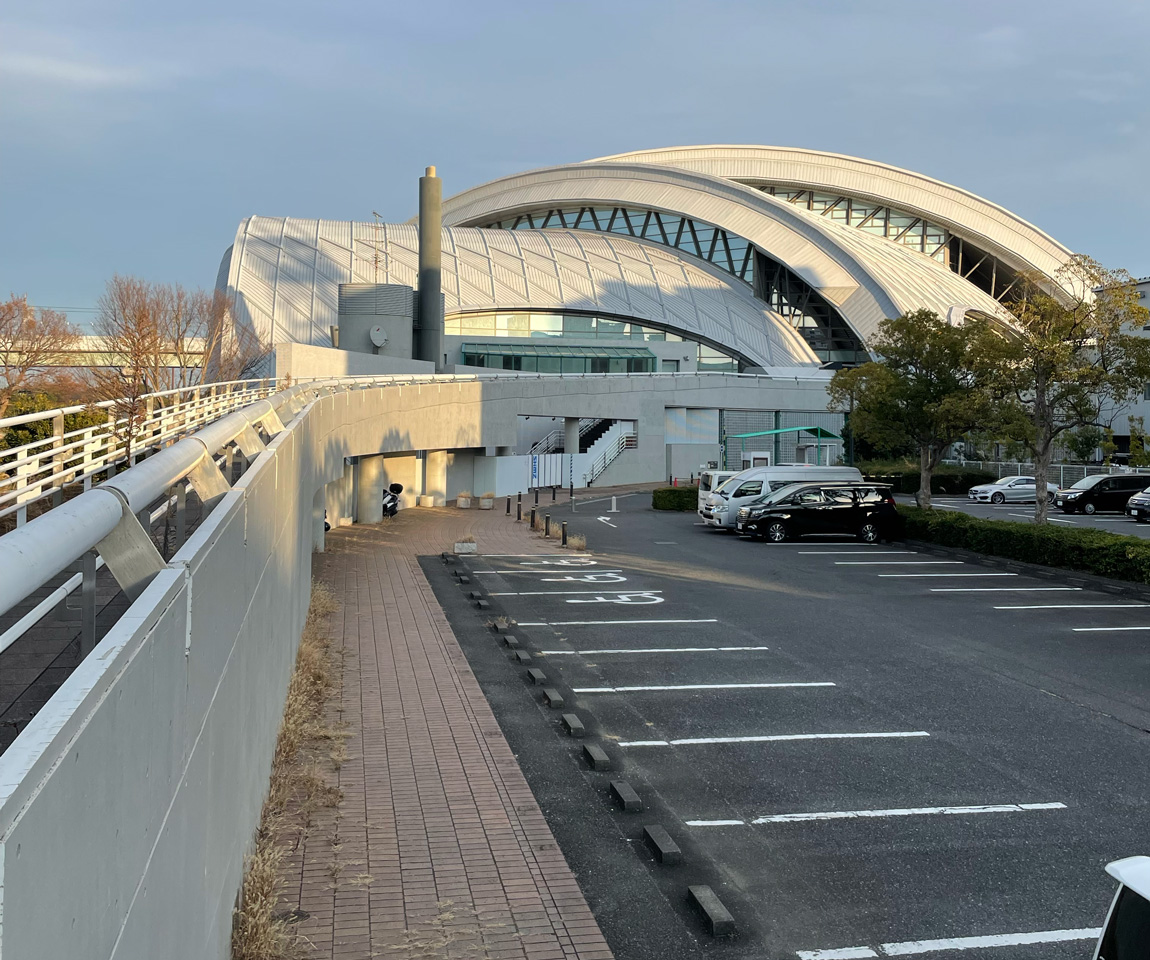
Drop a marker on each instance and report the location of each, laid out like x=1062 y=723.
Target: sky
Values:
x=135 y=136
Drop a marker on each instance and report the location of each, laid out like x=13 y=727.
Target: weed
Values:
x=576 y=541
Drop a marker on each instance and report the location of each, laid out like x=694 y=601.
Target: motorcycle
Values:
x=391 y=500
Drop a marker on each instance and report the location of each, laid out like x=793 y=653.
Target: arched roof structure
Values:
x=287 y=273
x=865 y=278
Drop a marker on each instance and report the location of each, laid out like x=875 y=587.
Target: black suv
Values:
x=863 y=509
x=1100 y=492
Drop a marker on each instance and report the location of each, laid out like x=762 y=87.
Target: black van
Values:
x=1100 y=492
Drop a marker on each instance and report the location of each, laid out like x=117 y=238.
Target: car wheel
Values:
x=869 y=533
x=776 y=531
x=999 y=497
x=1050 y=497
x=1089 y=508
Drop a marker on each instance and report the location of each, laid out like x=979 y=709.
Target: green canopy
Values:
x=819 y=433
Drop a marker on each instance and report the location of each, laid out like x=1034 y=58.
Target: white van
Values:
x=709 y=482
x=722 y=506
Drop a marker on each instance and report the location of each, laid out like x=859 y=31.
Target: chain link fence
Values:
x=1062 y=474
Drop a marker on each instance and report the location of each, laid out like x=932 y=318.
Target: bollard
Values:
x=518 y=513
x=564 y=529
x=613 y=509
x=532 y=518
x=553 y=488
x=519 y=497
x=509 y=505
x=547 y=525
x=536 y=496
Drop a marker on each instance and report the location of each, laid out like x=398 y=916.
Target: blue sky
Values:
x=134 y=136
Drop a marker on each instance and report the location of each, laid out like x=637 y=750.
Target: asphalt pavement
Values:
x=864 y=751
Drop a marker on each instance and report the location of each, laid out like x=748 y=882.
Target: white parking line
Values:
x=535 y=573
x=1112 y=520
x=896 y=563
x=1004 y=589
x=948 y=574
x=701 y=686
x=556 y=593
x=776 y=738
x=1076 y=606
x=560 y=653
x=580 y=623
x=913 y=947
x=858 y=553
x=870 y=814
x=1107 y=629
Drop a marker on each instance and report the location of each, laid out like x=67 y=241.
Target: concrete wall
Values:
x=302 y=360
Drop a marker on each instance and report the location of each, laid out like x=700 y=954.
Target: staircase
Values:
x=590 y=430
x=611 y=452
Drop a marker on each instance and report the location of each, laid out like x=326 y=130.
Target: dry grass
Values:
x=297 y=788
x=576 y=541
x=452 y=933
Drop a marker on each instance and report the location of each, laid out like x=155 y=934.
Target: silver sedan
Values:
x=1016 y=489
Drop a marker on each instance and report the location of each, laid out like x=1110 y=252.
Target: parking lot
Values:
x=1024 y=513
x=865 y=751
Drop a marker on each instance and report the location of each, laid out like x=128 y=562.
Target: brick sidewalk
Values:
x=440 y=849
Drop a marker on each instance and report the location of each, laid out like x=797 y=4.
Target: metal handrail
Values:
x=41 y=468
x=43 y=547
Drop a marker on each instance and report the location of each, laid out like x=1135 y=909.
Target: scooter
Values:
x=391 y=500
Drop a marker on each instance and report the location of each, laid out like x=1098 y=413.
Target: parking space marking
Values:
x=870 y=814
x=1107 y=629
x=560 y=653
x=909 y=948
x=902 y=563
x=774 y=738
x=536 y=573
x=702 y=686
x=592 y=623
x=559 y=593
x=858 y=553
x=1076 y=606
x=1004 y=589
x=948 y=574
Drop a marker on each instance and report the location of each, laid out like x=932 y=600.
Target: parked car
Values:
x=1138 y=506
x=1016 y=489
x=709 y=482
x=722 y=507
x=1126 y=931
x=1100 y=492
x=865 y=510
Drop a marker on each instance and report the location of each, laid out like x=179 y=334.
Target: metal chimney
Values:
x=431 y=269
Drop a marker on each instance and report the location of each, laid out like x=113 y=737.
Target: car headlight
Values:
x=1072 y=494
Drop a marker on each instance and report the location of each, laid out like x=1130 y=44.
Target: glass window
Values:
x=752 y=488
x=546 y=325
x=598 y=364
x=1128 y=931
x=512 y=325
x=477 y=324
x=578 y=326
x=611 y=328
x=669 y=366
x=809 y=496
x=574 y=364
x=549 y=364
x=839 y=495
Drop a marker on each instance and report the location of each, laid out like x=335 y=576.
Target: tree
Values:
x=30 y=342
x=1070 y=360
x=927 y=388
x=232 y=350
x=1081 y=444
x=1139 y=456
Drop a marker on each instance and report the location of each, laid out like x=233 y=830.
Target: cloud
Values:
x=74 y=73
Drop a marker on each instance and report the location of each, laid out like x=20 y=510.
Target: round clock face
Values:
x=378 y=336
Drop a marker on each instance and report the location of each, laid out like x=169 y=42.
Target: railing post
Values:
x=181 y=515
x=88 y=604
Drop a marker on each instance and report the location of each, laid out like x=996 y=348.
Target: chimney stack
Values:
x=431 y=269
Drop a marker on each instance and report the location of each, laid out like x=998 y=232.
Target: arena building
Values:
x=773 y=261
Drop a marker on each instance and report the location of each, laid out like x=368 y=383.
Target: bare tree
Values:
x=231 y=350
x=30 y=342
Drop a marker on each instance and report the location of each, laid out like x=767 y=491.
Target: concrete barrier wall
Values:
x=128 y=802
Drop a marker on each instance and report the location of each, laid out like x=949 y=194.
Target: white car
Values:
x=1016 y=489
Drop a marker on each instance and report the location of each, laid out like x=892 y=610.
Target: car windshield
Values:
x=1087 y=482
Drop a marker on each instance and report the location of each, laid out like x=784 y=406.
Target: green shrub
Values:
x=952 y=480
x=675 y=498
x=1092 y=551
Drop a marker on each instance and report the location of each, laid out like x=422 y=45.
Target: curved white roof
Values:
x=285 y=274
x=989 y=226
x=868 y=278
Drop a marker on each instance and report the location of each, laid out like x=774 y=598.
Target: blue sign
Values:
x=534 y=470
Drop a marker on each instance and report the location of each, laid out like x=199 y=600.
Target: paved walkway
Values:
x=441 y=849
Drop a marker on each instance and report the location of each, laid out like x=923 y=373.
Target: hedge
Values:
x=958 y=481
x=1091 y=551
x=675 y=498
